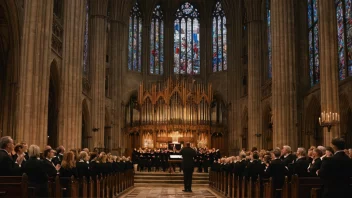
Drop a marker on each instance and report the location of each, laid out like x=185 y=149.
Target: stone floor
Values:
x=169 y=192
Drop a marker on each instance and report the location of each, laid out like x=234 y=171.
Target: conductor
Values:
x=187 y=165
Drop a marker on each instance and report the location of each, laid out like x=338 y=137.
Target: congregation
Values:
x=40 y=167
x=331 y=164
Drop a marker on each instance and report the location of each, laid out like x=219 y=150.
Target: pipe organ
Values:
x=174 y=111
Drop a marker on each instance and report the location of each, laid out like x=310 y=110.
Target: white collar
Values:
x=48 y=159
x=286 y=155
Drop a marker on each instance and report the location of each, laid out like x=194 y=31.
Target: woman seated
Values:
x=35 y=169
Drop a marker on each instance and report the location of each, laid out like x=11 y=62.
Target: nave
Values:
x=170 y=192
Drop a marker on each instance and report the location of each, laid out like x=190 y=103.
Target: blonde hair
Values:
x=34 y=151
x=83 y=155
x=102 y=157
x=69 y=160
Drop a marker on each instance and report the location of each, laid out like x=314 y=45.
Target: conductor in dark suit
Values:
x=336 y=171
x=188 y=155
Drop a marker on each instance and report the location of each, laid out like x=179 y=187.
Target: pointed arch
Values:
x=53 y=105
x=219 y=38
x=86 y=124
x=186 y=40
x=135 y=39
x=313 y=132
x=267 y=127
x=157 y=42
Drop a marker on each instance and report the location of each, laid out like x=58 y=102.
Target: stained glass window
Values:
x=219 y=39
x=157 y=42
x=85 y=48
x=344 y=37
x=135 y=39
x=313 y=35
x=186 y=40
x=268 y=18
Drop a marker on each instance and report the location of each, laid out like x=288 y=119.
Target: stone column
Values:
x=116 y=30
x=35 y=72
x=328 y=59
x=97 y=55
x=255 y=50
x=284 y=73
x=70 y=115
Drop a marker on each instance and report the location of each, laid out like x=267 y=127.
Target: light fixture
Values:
x=329 y=119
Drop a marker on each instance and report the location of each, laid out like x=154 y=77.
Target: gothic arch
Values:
x=9 y=66
x=267 y=127
x=346 y=119
x=313 y=133
x=53 y=105
x=86 y=125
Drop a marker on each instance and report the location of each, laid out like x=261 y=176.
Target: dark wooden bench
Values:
x=301 y=186
x=15 y=186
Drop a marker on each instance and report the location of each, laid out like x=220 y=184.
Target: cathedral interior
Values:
x=122 y=74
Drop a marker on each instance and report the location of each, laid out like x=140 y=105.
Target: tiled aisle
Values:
x=169 y=192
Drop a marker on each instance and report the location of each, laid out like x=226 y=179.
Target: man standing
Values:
x=8 y=167
x=188 y=155
x=336 y=172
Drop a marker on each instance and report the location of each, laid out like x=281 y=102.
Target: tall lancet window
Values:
x=313 y=35
x=86 y=41
x=186 y=40
x=344 y=37
x=157 y=42
x=268 y=18
x=135 y=39
x=219 y=39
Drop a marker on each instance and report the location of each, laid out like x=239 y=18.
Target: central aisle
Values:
x=169 y=192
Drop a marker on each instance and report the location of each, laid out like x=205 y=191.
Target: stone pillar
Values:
x=97 y=55
x=70 y=114
x=284 y=73
x=328 y=59
x=116 y=30
x=35 y=72
x=255 y=62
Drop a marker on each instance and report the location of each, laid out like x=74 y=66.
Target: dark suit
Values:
x=8 y=167
x=57 y=160
x=188 y=165
x=277 y=172
x=49 y=168
x=83 y=169
x=255 y=168
x=314 y=167
x=300 y=167
x=335 y=173
x=37 y=177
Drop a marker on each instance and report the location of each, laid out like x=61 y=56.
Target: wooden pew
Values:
x=315 y=193
x=301 y=186
x=14 y=186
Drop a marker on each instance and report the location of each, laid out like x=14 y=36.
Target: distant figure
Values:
x=188 y=155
